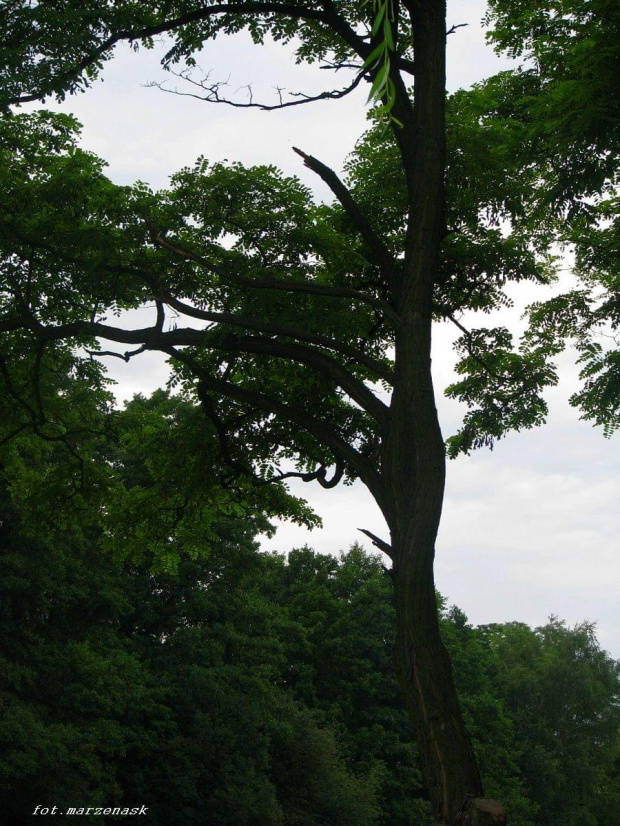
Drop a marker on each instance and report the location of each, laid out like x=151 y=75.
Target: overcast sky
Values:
x=530 y=529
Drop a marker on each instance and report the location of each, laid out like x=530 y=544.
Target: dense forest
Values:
x=152 y=655
x=234 y=687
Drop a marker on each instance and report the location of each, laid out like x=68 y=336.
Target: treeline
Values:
x=238 y=688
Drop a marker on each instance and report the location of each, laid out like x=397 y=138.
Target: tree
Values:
x=246 y=687
x=564 y=96
x=560 y=690
x=126 y=680
x=307 y=313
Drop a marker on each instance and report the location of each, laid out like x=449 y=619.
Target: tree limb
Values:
x=320 y=474
x=213 y=93
x=361 y=223
x=154 y=338
x=323 y=364
x=273 y=283
x=380 y=370
x=202 y=13
x=163 y=297
x=319 y=430
x=378 y=543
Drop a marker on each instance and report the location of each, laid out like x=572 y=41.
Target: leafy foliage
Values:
x=559 y=688
x=141 y=683
x=52 y=51
x=239 y=226
x=567 y=92
x=244 y=688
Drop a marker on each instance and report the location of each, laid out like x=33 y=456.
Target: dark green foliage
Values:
x=340 y=663
x=55 y=50
x=120 y=685
x=564 y=102
x=75 y=700
x=491 y=726
x=240 y=688
x=72 y=240
x=572 y=58
x=561 y=692
x=303 y=312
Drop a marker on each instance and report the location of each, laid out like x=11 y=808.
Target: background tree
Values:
x=131 y=679
x=249 y=688
x=556 y=684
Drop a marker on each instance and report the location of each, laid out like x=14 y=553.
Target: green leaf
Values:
x=380 y=15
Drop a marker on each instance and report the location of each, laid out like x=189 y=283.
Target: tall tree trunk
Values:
x=414 y=469
x=413 y=457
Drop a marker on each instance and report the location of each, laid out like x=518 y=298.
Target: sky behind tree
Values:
x=529 y=529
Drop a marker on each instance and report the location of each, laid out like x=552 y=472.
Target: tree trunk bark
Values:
x=413 y=452
x=414 y=469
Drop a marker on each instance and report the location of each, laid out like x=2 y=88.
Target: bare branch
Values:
x=378 y=543
x=456 y=26
x=212 y=90
x=201 y=13
x=380 y=251
x=126 y=356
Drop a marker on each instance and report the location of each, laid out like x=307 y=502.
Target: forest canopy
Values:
x=246 y=687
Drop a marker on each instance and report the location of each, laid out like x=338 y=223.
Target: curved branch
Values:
x=323 y=364
x=161 y=297
x=319 y=474
x=319 y=430
x=154 y=338
x=380 y=370
x=338 y=24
